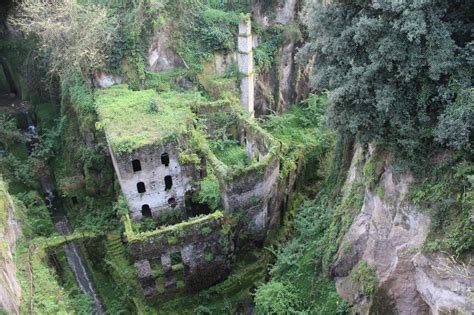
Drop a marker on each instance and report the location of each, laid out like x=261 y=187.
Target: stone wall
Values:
x=152 y=175
x=188 y=256
x=10 y=290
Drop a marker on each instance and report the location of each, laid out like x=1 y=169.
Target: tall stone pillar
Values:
x=245 y=60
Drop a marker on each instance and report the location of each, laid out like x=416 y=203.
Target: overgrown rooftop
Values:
x=133 y=119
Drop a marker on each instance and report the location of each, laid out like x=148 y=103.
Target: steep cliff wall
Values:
x=10 y=292
x=286 y=82
x=381 y=265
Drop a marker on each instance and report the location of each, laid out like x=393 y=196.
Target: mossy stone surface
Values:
x=133 y=119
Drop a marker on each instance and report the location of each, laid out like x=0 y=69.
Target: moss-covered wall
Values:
x=188 y=256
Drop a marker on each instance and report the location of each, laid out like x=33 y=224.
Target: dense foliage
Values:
x=59 y=26
x=398 y=72
x=448 y=196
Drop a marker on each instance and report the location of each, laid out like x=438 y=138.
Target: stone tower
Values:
x=245 y=61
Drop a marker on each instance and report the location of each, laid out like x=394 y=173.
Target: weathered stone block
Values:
x=245 y=27
x=245 y=44
x=246 y=64
x=247 y=93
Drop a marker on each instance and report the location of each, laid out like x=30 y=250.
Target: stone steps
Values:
x=114 y=245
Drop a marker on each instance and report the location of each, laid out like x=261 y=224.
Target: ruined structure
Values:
x=146 y=157
x=159 y=165
x=152 y=179
x=160 y=162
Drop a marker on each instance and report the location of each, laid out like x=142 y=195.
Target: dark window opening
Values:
x=194 y=208
x=141 y=187
x=172 y=202
x=177 y=267
x=165 y=159
x=136 y=165
x=146 y=211
x=74 y=200
x=176 y=258
x=168 y=182
x=202 y=168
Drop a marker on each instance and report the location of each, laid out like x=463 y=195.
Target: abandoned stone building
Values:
x=152 y=179
x=160 y=161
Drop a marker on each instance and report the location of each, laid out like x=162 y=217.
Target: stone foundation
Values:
x=188 y=256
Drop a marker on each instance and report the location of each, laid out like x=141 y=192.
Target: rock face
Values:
x=104 y=80
x=161 y=55
x=277 y=89
x=10 y=292
x=387 y=234
x=444 y=284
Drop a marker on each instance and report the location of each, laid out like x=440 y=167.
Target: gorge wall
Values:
x=10 y=292
x=388 y=234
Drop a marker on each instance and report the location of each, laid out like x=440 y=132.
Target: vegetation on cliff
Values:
x=393 y=75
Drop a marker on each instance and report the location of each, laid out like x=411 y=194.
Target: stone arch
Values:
x=141 y=187
x=146 y=211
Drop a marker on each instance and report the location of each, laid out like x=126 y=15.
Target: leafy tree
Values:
x=73 y=34
x=399 y=72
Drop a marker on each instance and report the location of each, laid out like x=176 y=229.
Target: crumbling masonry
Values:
x=158 y=177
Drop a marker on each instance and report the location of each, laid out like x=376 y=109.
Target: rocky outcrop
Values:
x=286 y=82
x=10 y=292
x=445 y=284
x=104 y=80
x=161 y=54
x=387 y=234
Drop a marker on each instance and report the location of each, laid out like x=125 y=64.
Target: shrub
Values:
x=208 y=192
x=276 y=298
x=364 y=276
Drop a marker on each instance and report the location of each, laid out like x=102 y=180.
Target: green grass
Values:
x=230 y=153
x=179 y=228
x=301 y=132
x=133 y=119
x=300 y=126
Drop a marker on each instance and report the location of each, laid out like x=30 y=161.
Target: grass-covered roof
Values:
x=133 y=119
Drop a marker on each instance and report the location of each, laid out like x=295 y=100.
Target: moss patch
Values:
x=231 y=153
x=133 y=119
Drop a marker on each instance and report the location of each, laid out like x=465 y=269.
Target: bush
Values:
x=399 y=74
x=37 y=221
x=276 y=298
x=59 y=26
x=365 y=278
x=217 y=29
x=208 y=192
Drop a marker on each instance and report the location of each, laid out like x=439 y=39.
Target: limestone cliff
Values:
x=387 y=234
x=286 y=82
x=9 y=232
